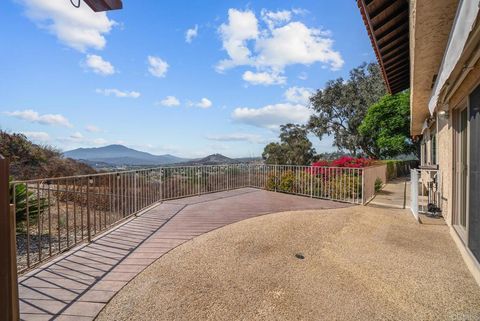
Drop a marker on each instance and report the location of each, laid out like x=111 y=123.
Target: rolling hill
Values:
x=121 y=155
x=214 y=159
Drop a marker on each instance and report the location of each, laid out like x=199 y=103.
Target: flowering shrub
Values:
x=347 y=161
x=324 y=167
x=318 y=168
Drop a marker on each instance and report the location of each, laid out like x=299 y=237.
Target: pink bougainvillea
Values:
x=324 y=167
x=352 y=162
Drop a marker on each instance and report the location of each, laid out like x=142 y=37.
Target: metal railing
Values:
x=55 y=214
x=425 y=192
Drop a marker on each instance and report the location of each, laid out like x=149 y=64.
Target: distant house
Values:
x=432 y=47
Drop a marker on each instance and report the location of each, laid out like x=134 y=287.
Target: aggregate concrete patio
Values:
x=79 y=283
x=359 y=263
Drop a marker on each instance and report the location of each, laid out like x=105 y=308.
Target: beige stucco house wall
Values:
x=429 y=42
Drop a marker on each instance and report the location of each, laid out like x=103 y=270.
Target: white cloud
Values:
x=298 y=95
x=275 y=18
x=295 y=43
x=272 y=116
x=282 y=43
x=241 y=26
x=99 y=65
x=118 y=93
x=169 y=101
x=204 y=103
x=40 y=137
x=264 y=78
x=157 y=66
x=238 y=137
x=45 y=119
x=78 y=139
x=92 y=129
x=191 y=33
x=76 y=136
x=77 y=28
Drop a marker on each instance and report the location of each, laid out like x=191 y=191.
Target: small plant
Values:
x=26 y=201
x=378 y=184
x=272 y=183
x=287 y=182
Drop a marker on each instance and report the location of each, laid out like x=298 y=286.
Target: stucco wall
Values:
x=445 y=163
x=430 y=26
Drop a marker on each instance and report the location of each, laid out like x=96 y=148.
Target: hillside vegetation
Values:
x=30 y=161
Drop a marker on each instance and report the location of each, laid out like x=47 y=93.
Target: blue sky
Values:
x=187 y=78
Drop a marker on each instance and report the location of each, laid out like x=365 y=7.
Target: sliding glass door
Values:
x=461 y=172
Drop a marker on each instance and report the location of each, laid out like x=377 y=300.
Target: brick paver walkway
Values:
x=79 y=283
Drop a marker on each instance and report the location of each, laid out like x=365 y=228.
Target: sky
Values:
x=183 y=77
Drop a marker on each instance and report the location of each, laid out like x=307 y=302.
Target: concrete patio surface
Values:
x=79 y=283
x=360 y=263
x=395 y=194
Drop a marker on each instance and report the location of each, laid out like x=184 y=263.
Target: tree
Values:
x=274 y=153
x=340 y=107
x=294 y=148
x=387 y=126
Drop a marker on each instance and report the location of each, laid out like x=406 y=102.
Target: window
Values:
x=423 y=153
x=433 y=149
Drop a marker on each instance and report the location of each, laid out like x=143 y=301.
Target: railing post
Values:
x=228 y=177
x=249 y=176
x=363 y=187
x=135 y=174
x=8 y=251
x=89 y=229
x=311 y=181
x=275 y=176
x=199 y=176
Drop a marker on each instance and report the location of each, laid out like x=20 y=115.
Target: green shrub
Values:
x=272 y=182
x=20 y=197
x=342 y=186
x=378 y=184
x=287 y=182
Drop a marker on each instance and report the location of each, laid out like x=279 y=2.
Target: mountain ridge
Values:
x=121 y=155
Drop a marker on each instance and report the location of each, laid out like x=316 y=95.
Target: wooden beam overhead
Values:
x=405 y=65
x=400 y=81
x=393 y=41
x=400 y=62
x=395 y=58
x=401 y=25
x=391 y=16
x=387 y=23
x=399 y=75
x=393 y=51
x=381 y=9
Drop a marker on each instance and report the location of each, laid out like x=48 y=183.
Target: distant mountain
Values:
x=214 y=159
x=121 y=155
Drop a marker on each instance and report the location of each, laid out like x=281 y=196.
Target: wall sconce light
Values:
x=443 y=114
